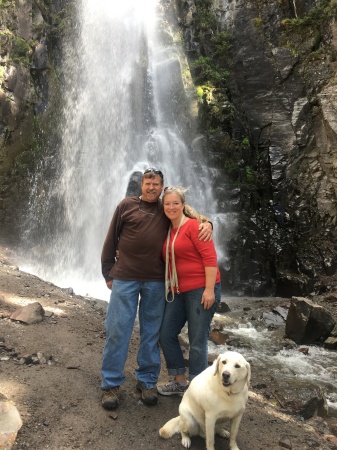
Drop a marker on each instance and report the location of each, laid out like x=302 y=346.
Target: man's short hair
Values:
x=152 y=172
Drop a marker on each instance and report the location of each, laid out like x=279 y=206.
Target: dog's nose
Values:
x=226 y=376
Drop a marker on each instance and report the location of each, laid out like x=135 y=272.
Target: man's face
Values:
x=151 y=189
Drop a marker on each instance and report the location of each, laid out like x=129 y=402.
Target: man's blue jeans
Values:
x=187 y=307
x=119 y=322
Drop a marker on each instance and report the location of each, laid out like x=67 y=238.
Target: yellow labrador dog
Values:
x=218 y=393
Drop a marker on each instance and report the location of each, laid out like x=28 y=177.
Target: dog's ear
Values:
x=216 y=365
x=248 y=373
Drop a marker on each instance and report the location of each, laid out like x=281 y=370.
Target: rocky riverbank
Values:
x=50 y=371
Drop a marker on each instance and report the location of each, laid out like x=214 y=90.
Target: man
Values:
x=137 y=232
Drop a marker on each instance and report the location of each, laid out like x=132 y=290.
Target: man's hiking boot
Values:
x=110 y=398
x=149 y=396
x=172 y=388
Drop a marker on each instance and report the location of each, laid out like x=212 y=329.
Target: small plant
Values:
x=315 y=17
x=258 y=22
x=203 y=17
x=206 y=71
x=286 y=22
x=245 y=141
x=200 y=92
x=229 y=166
x=222 y=44
x=8 y=136
x=21 y=51
x=250 y=174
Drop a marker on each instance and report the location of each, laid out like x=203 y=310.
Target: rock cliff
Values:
x=30 y=79
x=269 y=117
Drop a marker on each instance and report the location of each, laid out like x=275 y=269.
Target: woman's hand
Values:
x=208 y=298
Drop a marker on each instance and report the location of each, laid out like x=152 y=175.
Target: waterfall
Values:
x=125 y=107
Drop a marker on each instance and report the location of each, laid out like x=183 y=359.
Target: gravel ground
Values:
x=59 y=401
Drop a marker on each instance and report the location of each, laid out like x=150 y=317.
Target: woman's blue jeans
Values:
x=119 y=322
x=187 y=307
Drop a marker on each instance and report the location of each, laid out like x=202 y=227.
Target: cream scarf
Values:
x=172 y=280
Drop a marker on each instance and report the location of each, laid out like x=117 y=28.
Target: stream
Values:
x=294 y=373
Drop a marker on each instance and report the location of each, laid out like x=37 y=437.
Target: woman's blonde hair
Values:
x=188 y=210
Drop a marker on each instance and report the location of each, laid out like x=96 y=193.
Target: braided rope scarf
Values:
x=171 y=281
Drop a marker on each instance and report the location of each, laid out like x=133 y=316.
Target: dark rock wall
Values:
x=272 y=137
x=30 y=79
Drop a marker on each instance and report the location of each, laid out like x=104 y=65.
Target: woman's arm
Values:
x=208 y=297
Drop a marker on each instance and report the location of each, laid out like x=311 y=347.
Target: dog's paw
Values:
x=233 y=446
x=186 y=441
x=223 y=433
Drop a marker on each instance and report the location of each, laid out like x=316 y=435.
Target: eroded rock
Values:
x=32 y=313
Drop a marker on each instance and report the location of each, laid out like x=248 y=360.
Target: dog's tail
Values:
x=170 y=427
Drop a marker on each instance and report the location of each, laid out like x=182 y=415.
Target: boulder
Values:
x=32 y=313
x=218 y=337
x=133 y=188
x=331 y=343
x=10 y=423
x=308 y=323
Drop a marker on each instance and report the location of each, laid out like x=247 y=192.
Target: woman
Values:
x=193 y=291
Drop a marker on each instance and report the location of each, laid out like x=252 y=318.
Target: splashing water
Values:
x=126 y=107
x=317 y=367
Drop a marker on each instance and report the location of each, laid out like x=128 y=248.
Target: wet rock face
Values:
x=29 y=42
x=134 y=184
x=283 y=100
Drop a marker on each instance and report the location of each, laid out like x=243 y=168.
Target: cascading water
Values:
x=125 y=108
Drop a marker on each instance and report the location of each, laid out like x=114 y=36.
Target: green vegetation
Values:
x=7 y=4
x=200 y=92
x=206 y=71
x=8 y=136
x=332 y=9
x=230 y=166
x=37 y=139
x=258 y=22
x=204 y=17
x=250 y=175
x=209 y=65
x=222 y=44
x=21 y=51
x=315 y=18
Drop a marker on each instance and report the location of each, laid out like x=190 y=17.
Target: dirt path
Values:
x=59 y=401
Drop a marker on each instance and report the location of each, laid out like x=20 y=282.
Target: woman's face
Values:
x=173 y=206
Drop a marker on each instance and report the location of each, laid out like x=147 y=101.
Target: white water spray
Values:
x=125 y=108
